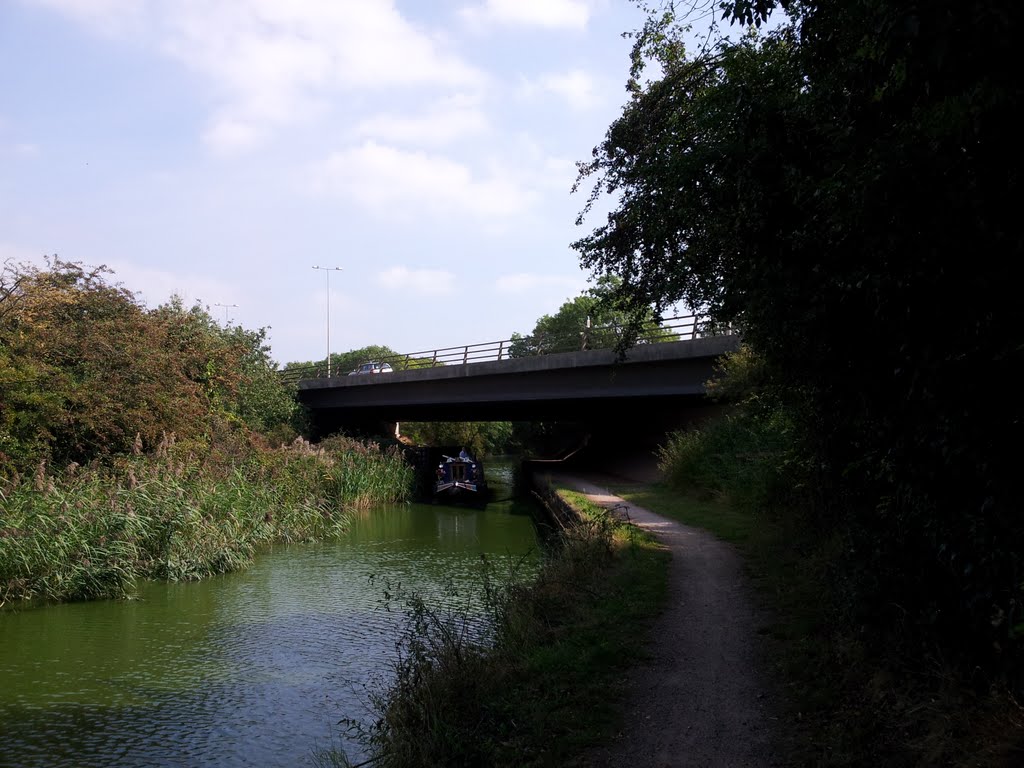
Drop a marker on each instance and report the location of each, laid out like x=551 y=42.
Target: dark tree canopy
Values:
x=846 y=187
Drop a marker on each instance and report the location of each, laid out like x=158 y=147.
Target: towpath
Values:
x=702 y=698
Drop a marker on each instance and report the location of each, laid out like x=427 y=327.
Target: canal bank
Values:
x=545 y=686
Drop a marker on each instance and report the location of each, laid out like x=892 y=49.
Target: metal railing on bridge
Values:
x=676 y=328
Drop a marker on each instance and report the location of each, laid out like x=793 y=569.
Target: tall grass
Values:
x=177 y=514
x=539 y=686
x=742 y=458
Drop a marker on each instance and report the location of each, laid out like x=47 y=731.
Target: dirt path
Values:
x=702 y=700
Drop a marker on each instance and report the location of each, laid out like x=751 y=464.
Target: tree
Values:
x=107 y=373
x=590 y=321
x=261 y=401
x=845 y=188
x=86 y=370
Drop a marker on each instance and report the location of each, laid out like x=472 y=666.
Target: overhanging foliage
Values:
x=846 y=188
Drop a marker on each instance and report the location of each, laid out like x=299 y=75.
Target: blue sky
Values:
x=219 y=149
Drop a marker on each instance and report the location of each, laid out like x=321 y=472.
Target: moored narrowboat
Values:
x=460 y=477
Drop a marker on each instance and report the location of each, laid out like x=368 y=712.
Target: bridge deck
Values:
x=555 y=386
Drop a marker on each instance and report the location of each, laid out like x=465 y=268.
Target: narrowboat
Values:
x=460 y=477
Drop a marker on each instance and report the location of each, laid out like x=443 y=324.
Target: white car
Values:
x=372 y=368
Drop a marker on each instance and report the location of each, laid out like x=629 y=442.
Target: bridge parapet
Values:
x=650 y=381
x=676 y=328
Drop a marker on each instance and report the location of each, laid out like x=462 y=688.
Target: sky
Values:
x=219 y=150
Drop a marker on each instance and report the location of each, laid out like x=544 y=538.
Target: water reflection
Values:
x=249 y=669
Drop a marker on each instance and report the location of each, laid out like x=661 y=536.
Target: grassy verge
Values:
x=92 y=532
x=542 y=684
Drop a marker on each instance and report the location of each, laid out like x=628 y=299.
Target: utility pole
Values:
x=328 y=271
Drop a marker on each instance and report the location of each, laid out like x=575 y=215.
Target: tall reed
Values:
x=179 y=514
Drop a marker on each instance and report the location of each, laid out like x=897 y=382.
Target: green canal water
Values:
x=254 y=668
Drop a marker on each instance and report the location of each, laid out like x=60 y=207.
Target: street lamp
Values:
x=328 y=270
x=225 y=311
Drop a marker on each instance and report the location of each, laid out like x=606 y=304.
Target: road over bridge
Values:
x=653 y=380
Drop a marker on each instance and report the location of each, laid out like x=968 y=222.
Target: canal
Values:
x=255 y=668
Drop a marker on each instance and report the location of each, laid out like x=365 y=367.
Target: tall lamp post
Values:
x=225 y=311
x=328 y=271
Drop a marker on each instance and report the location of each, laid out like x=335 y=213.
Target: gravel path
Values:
x=702 y=699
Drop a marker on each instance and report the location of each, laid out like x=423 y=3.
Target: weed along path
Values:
x=701 y=699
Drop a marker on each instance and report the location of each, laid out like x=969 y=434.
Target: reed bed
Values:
x=177 y=514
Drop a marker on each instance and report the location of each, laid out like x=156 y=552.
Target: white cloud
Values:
x=422 y=282
x=228 y=134
x=527 y=283
x=271 y=63
x=280 y=63
x=576 y=87
x=383 y=177
x=443 y=124
x=543 y=13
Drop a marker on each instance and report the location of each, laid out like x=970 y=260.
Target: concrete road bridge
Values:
x=659 y=379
